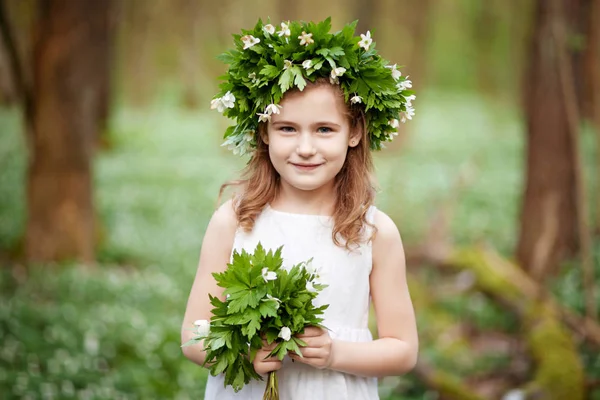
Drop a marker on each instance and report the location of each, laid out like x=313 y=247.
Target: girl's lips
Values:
x=306 y=167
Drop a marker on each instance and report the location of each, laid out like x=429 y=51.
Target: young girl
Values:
x=308 y=188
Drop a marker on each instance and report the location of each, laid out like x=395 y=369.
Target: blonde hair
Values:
x=354 y=186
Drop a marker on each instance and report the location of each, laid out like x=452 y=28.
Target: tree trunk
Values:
x=548 y=231
x=66 y=95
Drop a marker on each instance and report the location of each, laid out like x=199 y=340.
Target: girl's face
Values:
x=309 y=139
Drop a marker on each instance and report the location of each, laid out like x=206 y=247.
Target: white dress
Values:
x=348 y=295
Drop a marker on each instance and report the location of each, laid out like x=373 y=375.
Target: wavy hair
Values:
x=354 y=186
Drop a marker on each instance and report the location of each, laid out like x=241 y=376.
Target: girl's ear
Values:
x=264 y=135
x=354 y=140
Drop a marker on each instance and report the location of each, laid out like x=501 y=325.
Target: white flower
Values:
x=403 y=119
x=263 y=117
x=216 y=103
x=366 y=41
x=228 y=100
x=275 y=299
x=249 y=41
x=202 y=327
x=306 y=39
x=405 y=84
x=272 y=109
x=268 y=275
x=307 y=64
x=285 y=29
x=270 y=29
x=394 y=123
x=285 y=333
x=310 y=287
x=287 y=64
x=249 y=136
x=339 y=71
x=395 y=73
x=409 y=100
x=356 y=99
x=252 y=76
x=410 y=112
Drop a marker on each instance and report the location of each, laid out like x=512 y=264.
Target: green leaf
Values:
x=268 y=308
x=300 y=82
x=270 y=71
x=285 y=80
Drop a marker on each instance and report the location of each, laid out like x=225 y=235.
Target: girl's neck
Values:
x=320 y=201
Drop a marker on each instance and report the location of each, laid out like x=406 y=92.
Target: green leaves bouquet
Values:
x=263 y=300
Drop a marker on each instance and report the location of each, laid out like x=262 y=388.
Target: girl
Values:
x=308 y=187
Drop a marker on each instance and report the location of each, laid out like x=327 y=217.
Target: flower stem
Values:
x=272 y=389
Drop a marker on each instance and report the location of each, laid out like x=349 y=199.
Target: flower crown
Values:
x=268 y=62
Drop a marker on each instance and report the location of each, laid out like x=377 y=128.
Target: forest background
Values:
x=110 y=169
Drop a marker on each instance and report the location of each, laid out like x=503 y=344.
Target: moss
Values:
x=560 y=373
x=451 y=388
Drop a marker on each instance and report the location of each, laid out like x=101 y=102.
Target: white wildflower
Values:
x=249 y=41
x=394 y=123
x=305 y=39
x=287 y=64
x=356 y=99
x=366 y=41
x=228 y=100
x=310 y=287
x=405 y=84
x=268 y=275
x=249 y=136
x=272 y=109
x=307 y=64
x=275 y=299
x=270 y=29
x=264 y=117
x=252 y=76
x=403 y=119
x=410 y=112
x=217 y=104
x=285 y=29
x=202 y=327
x=395 y=73
x=339 y=71
x=409 y=100
x=285 y=333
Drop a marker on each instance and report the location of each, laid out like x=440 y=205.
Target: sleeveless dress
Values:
x=348 y=295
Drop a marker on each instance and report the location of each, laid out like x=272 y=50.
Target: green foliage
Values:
x=258 y=304
x=267 y=63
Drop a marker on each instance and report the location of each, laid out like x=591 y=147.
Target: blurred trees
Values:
x=554 y=218
x=65 y=107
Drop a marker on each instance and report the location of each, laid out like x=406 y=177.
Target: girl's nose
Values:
x=306 y=146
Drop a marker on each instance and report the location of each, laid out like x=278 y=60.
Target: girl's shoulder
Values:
x=387 y=231
x=224 y=219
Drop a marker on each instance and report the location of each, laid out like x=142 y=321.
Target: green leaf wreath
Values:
x=268 y=61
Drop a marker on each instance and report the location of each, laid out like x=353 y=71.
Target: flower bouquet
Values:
x=263 y=300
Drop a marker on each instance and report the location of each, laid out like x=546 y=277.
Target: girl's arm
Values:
x=395 y=352
x=214 y=257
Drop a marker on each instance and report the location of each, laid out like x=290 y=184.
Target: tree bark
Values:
x=67 y=89
x=548 y=232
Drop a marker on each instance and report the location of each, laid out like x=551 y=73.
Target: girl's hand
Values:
x=262 y=366
x=318 y=351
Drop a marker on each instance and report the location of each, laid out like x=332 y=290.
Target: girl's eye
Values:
x=286 y=129
x=324 y=129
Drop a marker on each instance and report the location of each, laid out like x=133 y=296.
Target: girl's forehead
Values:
x=318 y=101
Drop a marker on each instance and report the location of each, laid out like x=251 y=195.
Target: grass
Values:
x=113 y=331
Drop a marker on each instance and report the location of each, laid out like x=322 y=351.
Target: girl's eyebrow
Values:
x=318 y=123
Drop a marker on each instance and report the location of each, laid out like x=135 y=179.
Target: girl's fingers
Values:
x=311 y=331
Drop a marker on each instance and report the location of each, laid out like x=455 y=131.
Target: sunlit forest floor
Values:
x=113 y=331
